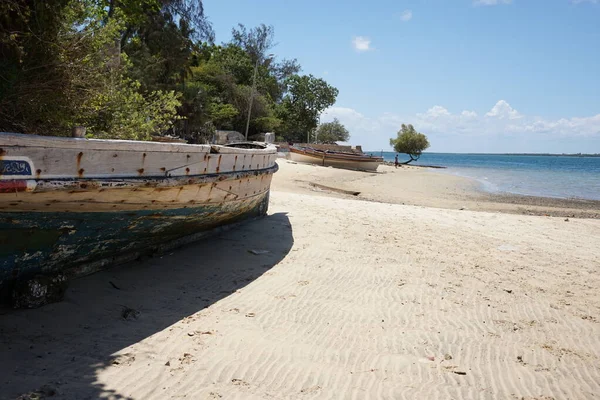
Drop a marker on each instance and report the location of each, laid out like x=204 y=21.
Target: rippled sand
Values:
x=331 y=297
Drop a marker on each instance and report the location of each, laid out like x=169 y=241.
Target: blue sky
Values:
x=474 y=75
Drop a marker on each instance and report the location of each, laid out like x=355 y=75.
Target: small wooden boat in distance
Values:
x=328 y=158
x=73 y=206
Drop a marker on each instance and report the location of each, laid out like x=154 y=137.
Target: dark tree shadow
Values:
x=61 y=347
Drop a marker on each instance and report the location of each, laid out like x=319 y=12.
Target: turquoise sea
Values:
x=535 y=175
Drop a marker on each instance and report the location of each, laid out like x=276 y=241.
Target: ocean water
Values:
x=534 y=175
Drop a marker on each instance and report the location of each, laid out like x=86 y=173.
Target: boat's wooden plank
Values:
x=94 y=198
x=65 y=163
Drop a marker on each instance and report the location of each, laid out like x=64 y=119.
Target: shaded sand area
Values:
x=342 y=298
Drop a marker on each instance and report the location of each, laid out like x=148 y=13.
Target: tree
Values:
x=306 y=98
x=131 y=69
x=331 y=132
x=62 y=65
x=410 y=141
x=256 y=42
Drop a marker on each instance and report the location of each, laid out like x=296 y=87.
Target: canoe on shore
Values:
x=327 y=158
x=73 y=206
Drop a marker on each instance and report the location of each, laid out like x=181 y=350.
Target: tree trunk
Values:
x=411 y=159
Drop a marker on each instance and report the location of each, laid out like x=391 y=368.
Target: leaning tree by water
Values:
x=410 y=142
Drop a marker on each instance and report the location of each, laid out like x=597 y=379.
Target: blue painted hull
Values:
x=78 y=243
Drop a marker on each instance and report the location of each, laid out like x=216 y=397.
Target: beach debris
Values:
x=447 y=357
x=128 y=313
x=508 y=290
x=39 y=290
x=191 y=333
x=250 y=315
x=113 y=285
x=567 y=219
x=42 y=393
x=463 y=208
x=239 y=382
x=124 y=359
x=311 y=389
x=460 y=372
x=186 y=359
x=168 y=363
x=258 y=252
x=430 y=358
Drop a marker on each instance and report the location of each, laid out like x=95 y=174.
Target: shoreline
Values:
x=423 y=186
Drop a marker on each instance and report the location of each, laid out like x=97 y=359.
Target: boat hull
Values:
x=79 y=219
x=80 y=243
x=337 y=162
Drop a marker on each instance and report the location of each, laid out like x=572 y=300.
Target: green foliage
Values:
x=130 y=69
x=220 y=113
x=66 y=69
x=306 y=98
x=410 y=141
x=124 y=113
x=331 y=132
x=256 y=41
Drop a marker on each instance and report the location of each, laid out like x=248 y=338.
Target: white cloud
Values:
x=493 y=2
x=503 y=110
x=585 y=1
x=361 y=43
x=435 y=112
x=406 y=15
x=469 y=114
x=451 y=130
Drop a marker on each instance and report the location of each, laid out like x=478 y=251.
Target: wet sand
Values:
x=344 y=297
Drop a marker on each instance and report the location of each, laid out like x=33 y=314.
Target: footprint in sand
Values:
x=312 y=389
x=124 y=360
x=239 y=382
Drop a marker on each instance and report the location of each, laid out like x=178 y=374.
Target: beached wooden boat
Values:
x=75 y=205
x=327 y=158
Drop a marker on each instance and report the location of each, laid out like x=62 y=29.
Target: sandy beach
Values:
x=418 y=287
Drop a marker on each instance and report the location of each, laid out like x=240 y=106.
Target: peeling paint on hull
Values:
x=80 y=243
x=54 y=220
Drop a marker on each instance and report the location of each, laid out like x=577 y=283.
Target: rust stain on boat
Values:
x=140 y=171
x=219 y=163
x=80 y=172
x=79 y=159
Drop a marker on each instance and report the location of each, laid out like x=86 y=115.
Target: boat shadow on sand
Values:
x=59 y=349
